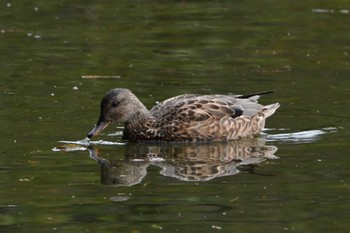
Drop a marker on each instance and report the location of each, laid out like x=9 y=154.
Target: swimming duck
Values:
x=186 y=117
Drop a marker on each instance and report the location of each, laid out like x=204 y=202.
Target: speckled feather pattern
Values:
x=188 y=117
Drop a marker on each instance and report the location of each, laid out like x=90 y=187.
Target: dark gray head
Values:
x=118 y=105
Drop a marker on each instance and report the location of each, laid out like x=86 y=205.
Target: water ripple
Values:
x=307 y=136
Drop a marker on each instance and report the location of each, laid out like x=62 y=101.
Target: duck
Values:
x=184 y=118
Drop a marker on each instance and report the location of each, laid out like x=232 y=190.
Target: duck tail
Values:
x=270 y=109
x=253 y=94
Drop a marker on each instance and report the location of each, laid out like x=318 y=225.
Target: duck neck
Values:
x=138 y=124
x=140 y=116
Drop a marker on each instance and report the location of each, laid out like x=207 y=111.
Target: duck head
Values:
x=118 y=105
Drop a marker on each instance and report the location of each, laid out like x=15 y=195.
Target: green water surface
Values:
x=159 y=49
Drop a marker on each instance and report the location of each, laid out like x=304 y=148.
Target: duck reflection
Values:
x=186 y=162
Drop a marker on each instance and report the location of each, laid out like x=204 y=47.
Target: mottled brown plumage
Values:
x=186 y=117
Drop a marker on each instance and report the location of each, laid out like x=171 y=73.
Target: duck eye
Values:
x=115 y=104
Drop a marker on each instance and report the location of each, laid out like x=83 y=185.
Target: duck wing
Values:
x=196 y=108
x=167 y=105
x=210 y=117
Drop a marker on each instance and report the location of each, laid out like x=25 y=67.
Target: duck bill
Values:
x=100 y=126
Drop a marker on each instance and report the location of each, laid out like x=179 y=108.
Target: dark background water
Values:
x=158 y=49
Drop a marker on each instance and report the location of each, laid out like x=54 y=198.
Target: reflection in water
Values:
x=187 y=162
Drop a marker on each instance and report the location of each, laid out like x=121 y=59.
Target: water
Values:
x=158 y=50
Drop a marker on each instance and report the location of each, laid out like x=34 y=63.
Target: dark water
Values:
x=158 y=50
